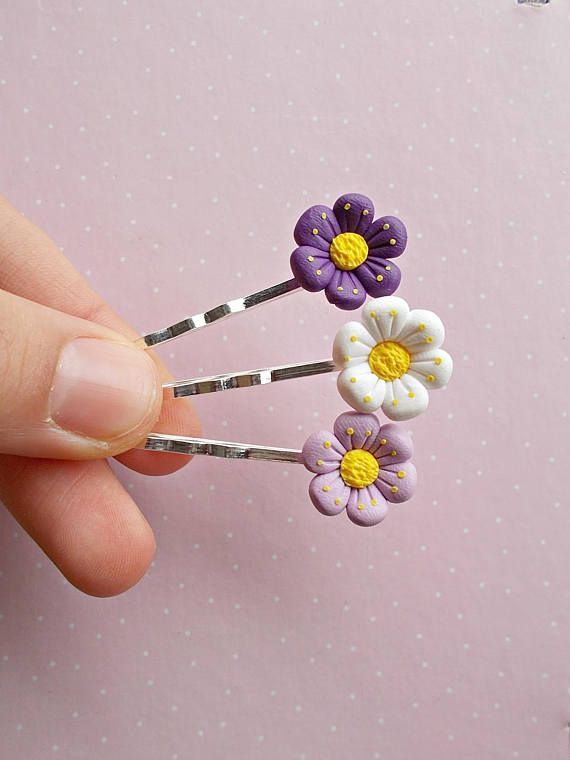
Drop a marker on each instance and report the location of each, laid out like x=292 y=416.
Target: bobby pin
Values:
x=340 y=250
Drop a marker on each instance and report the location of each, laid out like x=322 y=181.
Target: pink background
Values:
x=169 y=148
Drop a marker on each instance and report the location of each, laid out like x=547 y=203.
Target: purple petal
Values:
x=312 y=219
x=341 y=290
x=392 y=438
x=397 y=482
x=375 y=267
x=319 y=458
x=378 y=238
x=306 y=262
x=358 y=216
x=361 y=508
x=366 y=429
x=328 y=493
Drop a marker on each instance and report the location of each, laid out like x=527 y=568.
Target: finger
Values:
x=33 y=267
x=70 y=389
x=82 y=518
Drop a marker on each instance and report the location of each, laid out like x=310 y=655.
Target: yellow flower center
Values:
x=348 y=250
x=358 y=468
x=389 y=360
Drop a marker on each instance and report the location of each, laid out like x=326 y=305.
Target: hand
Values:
x=75 y=390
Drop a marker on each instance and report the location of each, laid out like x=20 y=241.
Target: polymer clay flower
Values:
x=391 y=358
x=343 y=252
x=361 y=467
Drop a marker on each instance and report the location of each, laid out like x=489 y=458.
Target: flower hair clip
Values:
x=342 y=251
x=390 y=360
x=361 y=466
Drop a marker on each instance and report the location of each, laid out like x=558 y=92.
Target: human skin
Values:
x=73 y=392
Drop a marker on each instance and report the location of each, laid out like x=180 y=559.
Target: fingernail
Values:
x=102 y=389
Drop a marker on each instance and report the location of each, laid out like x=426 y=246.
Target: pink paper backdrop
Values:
x=169 y=148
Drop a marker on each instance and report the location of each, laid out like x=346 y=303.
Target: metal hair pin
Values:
x=340 y=250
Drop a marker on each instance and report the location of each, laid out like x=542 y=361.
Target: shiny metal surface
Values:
x=229 y=381
x=178 y=444
x=236 y=306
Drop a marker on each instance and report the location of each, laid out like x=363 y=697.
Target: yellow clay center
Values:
x=358 y=468
x=348 y=250
x=389 y=360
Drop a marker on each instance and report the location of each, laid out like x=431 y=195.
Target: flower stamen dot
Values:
x=310 y=258
x=323 y=215
x=437 y=360
x=361 y=506
x=389 y=360
x=386 y=226
x=348 y=251
x=327 y=444
x=392 y=241
x=326 y=488
x=359 y=468
x=394 y=489
x=315 y=231
x=365 y=212
x=379 y=278
x=346 y=206
x=401 y=474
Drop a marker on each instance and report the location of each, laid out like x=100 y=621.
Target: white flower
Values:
x=391 y=358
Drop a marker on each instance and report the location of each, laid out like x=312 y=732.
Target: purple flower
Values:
x=342 y=251
x=360 y=468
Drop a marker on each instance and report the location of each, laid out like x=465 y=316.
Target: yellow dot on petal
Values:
x=401 y=474
x=394 y=489
x=373 y=314
x=315 y=231
x=310 y=258
x=327 y=444
x=337 y=501
x=411 y=394
x=346 y=206
x=350 y=431
x=386 y=226
x=319 y=462
x=437 y=360
x=326 y=488
x=355 y=291
x=340 y=288
x=368 y=433
x=383 y=441
x=394 y=402
x=318 y=271
x=367 y=399
x=428 y=339
x=430 y=378
x=392 y=241
x=379 y=277
x=393 y=453
x=353 y=338
x=346 y=358
x=365 y=212
x=361 y=507
x=352 y=379
x=388 y=268
x=374 y=502
x=323 y=215
x=421 y=327
x=393 y=313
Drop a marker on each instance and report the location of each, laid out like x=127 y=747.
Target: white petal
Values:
x=423 y=331
x=352 y=345
x=385 y=317
x=410 y=396
x=432 y=368
x=361 y=389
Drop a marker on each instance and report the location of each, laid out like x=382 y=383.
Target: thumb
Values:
x=69 y=388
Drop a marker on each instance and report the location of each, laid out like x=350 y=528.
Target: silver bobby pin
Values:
x=179 y=444
x=228 y=381
x=236 y=306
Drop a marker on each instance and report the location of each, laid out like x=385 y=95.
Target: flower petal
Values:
x=361 y=388
x=345 y=290
x=321 y=219
x=397 y=482
x=385 y=317
x=392 y=445
x=387 y=237
x=365 y=429
x=352 y=345
x=354 y=213
x=320 y=458
x=432 y=368
x=366 y=506
x=405 y=398
x=329 y=493
x=370 y=272
x=423 y=331
x=306 y=262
